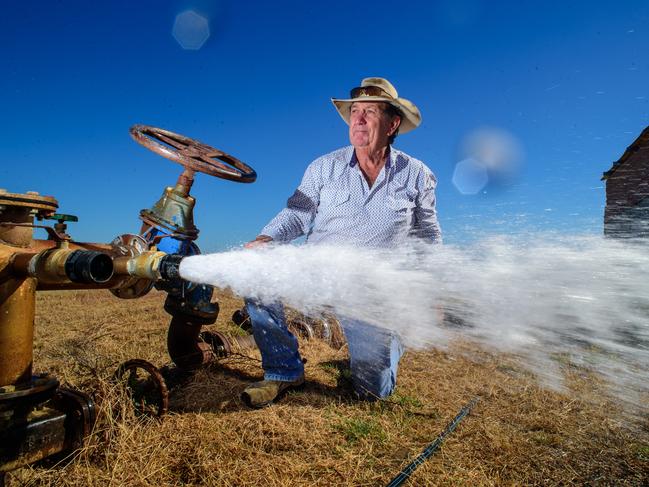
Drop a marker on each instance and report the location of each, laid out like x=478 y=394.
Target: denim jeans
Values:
x=374 y=352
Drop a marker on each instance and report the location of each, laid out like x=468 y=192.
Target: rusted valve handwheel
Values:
x=146 y=386
x=192 y=154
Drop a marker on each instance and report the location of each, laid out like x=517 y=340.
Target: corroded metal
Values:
x=17 y=213
x=33 y=423
x=36 y=390
x=130 y=245
x=31 y=200
x=31 y=437
x=17 y=294
x=191 y=348
x=186 y=348
x=38 y=245
x=58 y=425
x=193 y=154
x=173 y=212
x=37 y=418
x=226 y=345
x=17 y=307
x=145 y=385
x=53 y=233
x=81 y=410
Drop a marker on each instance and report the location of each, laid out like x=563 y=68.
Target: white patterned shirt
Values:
x=335 y=205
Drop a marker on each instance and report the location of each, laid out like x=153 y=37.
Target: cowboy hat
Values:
x=380 y=89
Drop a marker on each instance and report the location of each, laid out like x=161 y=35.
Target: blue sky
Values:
x=569 y=80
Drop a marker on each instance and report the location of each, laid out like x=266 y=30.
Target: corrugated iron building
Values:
x=627 y=192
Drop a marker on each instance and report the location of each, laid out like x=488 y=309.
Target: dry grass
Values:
x=519 y=433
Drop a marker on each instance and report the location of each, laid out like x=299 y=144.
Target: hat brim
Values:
x=411 y=116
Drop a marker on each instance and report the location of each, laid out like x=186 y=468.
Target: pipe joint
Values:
x=63 y=265
x=143 y=266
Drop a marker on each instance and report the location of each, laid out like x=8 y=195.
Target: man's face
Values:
x=369 y=125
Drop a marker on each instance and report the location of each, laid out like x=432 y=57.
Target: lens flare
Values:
x=191 y=30
x=470 y=176
x=489 y=150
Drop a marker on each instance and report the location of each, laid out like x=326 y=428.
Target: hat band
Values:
x=362 y=91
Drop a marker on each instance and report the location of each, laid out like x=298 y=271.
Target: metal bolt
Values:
x=32 y=193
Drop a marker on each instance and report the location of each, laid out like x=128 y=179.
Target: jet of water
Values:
x=542 y=297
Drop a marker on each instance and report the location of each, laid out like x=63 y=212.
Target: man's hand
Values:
x=259 y=241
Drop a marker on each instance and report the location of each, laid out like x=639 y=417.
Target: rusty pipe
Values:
x=21 y=269
x=61 y=265
x=38 y=245
x=189 y=348
x=17 y=308
x=185 y=345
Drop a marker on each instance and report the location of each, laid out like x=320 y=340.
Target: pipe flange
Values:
x=131 y=245
x=39 y=389
x=44 y=205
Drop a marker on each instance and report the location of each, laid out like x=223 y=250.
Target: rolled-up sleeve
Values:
x=426 y=226
x=296 y=219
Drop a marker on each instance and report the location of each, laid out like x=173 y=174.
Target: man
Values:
x=367 y=194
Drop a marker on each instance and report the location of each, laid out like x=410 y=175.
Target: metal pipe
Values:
x=63 y=265
x=38 y=245
x=186 y=348
x=37 y=419
x=225 y=345
x=127 y=270
x=144 y=266
x=189 y=348
x=17 y=308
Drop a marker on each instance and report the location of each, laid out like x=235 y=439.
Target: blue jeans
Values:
x=374 y=352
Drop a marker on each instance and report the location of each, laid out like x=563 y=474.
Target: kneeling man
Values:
x=367 y=194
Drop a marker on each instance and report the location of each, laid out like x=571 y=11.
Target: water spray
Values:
x=547 y=301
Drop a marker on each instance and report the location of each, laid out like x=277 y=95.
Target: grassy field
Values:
x=518 y=434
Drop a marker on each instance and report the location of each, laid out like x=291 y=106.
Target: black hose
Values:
x=430 y=449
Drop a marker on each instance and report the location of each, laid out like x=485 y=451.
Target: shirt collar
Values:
x=351 y=156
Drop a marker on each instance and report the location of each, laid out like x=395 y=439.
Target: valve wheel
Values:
x=145 y=385
x=192 y=154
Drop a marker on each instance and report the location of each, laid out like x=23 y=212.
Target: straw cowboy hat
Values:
x=380 y=89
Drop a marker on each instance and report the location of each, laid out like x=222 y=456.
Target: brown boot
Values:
x=261 y=394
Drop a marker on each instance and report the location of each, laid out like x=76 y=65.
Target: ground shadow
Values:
x=217 y=388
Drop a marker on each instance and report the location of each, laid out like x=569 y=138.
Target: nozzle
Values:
x=152 y=265
x=170 y=266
